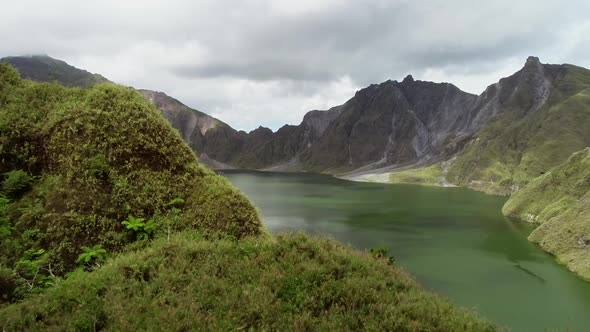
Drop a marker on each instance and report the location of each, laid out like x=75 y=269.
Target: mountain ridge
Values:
x=395 y=125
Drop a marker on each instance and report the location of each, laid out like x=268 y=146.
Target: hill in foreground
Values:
x=96 y=173
x=187 y=283
x=559 y=202
x=76 y=163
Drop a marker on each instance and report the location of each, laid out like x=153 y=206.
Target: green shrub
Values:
x=92 y=256
x=98 y=167
x=100 y=154
x=16 y=183
x=8 y=285
x=382 y=253
x=140 y=230
x=293 y=282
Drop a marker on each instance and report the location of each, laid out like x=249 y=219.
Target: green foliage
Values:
x=98 y=167
x=559 y=202
x=99 y=155
x=92 y=256
x=134 y=224
x=429 y=175
x=382 y=253
x=34 y=272
x=42 y=68
x=6 y=228
x=16 y=183
x=140 y=229
x=8 y=285
x=293 y=282
x=176 y=203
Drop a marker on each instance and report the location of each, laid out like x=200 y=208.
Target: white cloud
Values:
x=267 y=62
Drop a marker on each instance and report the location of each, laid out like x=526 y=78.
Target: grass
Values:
x=514 y=149
x=559 y=202
x=96 y=156
x=430 y=175
x=292 y=282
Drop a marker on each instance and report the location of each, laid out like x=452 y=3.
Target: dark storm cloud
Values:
x=274 y=60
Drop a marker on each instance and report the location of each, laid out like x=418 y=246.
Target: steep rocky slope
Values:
x=542 y=115
x=559 y=202
x=393 y=123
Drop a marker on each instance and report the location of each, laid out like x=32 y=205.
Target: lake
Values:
x=454 y=241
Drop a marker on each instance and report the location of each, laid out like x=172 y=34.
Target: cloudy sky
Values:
x=268 y=62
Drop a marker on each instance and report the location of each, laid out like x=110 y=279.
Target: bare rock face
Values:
x=183 y=118
x=391 y=123
x=524 y=92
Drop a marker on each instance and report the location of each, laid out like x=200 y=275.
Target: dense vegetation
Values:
x=107 y=222
x=77 y=163
x=559 y=202
x=188 y=283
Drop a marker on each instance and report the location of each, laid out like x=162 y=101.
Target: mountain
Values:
x=224 y=141
x=42 y=68
x=496 y=142
x=541 y=116
x=393 y=123
x=559 y=203
x=109 y=223
x=517 y=129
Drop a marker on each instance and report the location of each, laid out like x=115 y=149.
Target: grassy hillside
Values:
x=559 y=201
x=76 y=163
x=514 y=149
x=431 y=175
x=42 y=68
x=291 y=283
x=107 y=222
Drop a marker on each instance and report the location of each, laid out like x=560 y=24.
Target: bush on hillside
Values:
x=100 y=155
x=16 y=183
x=293 y=282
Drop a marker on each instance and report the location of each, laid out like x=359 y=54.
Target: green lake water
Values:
x=454 y=241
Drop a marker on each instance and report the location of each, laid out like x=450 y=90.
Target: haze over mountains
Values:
x=495 y=142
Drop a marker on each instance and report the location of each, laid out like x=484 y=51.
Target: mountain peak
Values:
x=532 y=60
x=408 y=79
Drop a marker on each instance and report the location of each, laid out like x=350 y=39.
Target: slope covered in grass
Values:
x=42 y=68
x=291 y=283
x=75 y=163
x=517 y=147
x=430 y=175
x=559 y=202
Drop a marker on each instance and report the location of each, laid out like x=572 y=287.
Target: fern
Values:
x=134 y=224
x=140 y=229
x=92 y=255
